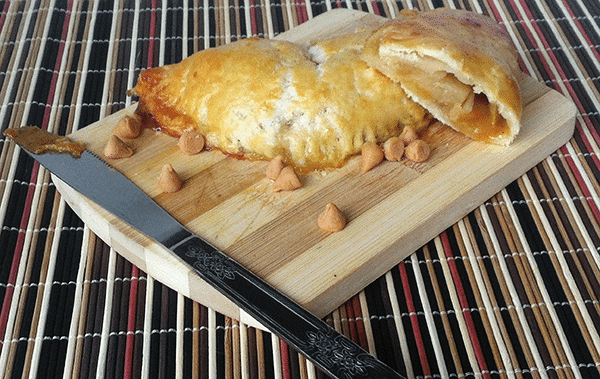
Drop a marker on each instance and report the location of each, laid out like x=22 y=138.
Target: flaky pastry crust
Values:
x=262 y=98
x=460 y=65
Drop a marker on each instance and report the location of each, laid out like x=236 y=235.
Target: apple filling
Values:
x=449 y=100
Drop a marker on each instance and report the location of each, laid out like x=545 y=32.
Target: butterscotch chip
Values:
x=287 y=180
x=417 y=151
x=372 y=155
x=408 y=135
x=128 y=127
x=393 y=149
x=191 y=142
x=274 y=168
x=169 y=180
x=332 y=219
x=115 y=148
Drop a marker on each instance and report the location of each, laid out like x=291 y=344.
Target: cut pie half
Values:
x=460 y=65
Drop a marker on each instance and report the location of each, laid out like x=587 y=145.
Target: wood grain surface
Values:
x=392 y=210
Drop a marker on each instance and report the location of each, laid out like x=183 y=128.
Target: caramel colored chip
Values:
x=332 y=219
x=408 y=135
x=372 y=155
x=393 y=149
x=115 y=148
x=417 y=151
x=128 y=127
x=191 y=142
x=274 y=168
x=169 y=180
x=287 y=180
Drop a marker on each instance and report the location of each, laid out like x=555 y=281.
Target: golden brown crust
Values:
x=264 y=98
x=476 y=53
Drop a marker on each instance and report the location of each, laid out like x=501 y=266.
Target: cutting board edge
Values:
x=146 y=255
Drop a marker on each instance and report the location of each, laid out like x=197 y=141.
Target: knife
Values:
x=81 y=169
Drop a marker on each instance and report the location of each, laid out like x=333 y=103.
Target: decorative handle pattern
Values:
x=329 y=350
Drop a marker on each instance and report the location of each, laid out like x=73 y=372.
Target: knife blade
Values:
x=85 y=172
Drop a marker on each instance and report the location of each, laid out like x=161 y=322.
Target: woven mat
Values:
x=511 y=290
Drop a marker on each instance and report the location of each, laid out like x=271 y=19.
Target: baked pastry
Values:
x=261 y=98
x=316 y=105
x=461 y=66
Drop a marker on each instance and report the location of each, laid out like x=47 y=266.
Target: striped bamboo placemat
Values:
x=511 y=290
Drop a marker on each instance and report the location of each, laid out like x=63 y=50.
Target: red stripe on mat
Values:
x=360 y=325
x=61 y=50
x=414 y=322
x=285 y=360
x=150 y=61
x=464 y=304
x=133 y=294
x=375 y=8
x=351 y=325
x=301 y=12
x=3 y=17
x=253 y=18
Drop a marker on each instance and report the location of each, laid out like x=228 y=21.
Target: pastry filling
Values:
x=471 y=113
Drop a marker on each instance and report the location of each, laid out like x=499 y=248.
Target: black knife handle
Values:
x=326 y=348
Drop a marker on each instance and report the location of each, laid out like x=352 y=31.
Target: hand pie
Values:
x=461 y=66
x=261 y=98
x=316 y=105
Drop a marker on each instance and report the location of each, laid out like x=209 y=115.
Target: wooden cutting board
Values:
x=392 y=210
